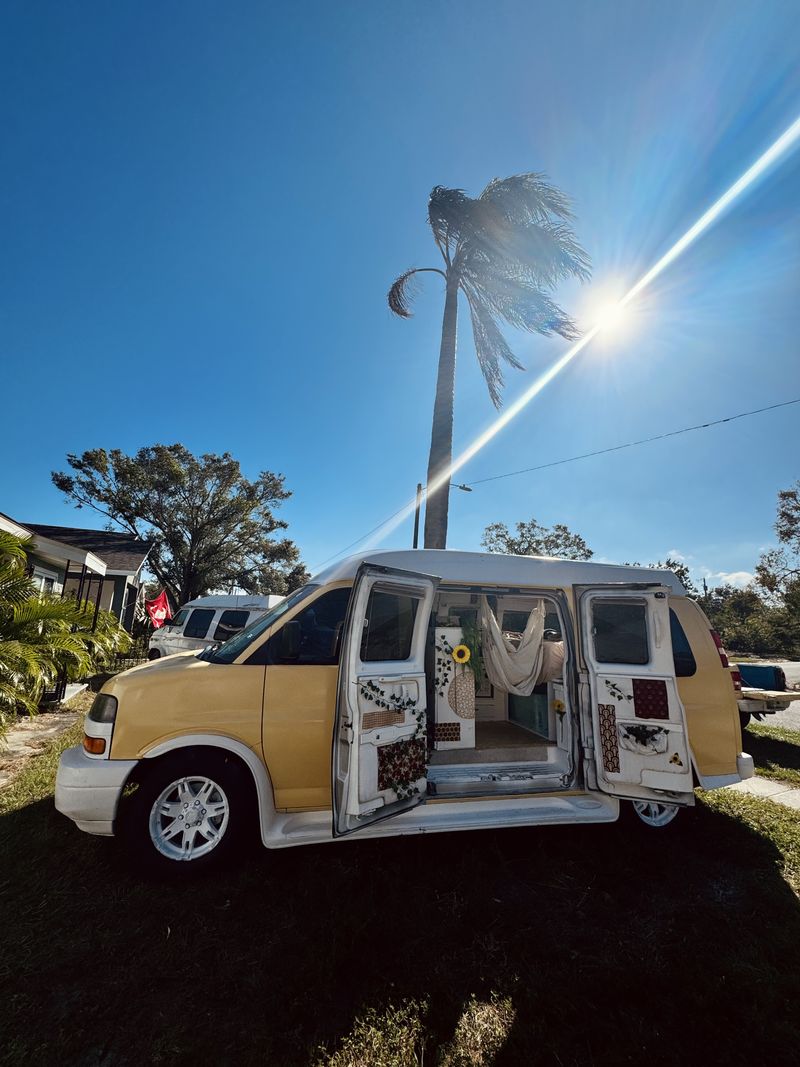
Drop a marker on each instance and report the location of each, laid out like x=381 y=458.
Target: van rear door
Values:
x=380 y=736
x=636 y=723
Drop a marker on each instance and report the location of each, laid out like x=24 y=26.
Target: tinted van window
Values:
x=685 y=665
x=230 y=623
x=389 y=627
x=199 y=622
x=619 y=629
x=321 y=625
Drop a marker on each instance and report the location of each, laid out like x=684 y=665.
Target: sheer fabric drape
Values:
x=513 y=669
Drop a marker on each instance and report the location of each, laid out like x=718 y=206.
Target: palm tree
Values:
x=41 y=636
x=505 y=251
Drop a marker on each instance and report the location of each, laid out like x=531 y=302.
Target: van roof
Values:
x=233 y=600
x=493 y=568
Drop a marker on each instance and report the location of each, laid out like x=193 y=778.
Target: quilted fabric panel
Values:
x=402 y=762
x=650 y=699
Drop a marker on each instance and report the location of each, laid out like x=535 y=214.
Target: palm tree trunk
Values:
x=441 y=454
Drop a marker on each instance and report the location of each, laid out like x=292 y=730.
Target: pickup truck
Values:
x=762 y=690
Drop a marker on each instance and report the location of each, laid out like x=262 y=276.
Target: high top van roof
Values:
x=492 y=568
x=244 y=601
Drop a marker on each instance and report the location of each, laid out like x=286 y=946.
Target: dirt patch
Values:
x=28 y=737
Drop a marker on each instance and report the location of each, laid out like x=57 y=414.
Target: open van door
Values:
x=637 y=721
x=380 y=730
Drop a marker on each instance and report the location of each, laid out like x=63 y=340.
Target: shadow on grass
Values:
x=774 y=756
x=600 y=944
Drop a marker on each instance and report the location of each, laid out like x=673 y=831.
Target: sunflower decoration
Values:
x=461 y=654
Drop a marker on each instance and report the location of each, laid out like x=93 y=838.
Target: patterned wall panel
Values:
x=447 y=731
x=608 y=737
x=650 y=699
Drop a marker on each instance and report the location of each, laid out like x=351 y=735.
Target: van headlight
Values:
x=104 y=708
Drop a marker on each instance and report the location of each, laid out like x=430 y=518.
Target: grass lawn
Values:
x=775 y=750
x=563 y=946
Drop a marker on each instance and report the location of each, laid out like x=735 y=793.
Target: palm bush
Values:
x=43 y=636
x=504 y=252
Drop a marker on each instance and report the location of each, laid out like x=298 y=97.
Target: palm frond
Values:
x=520 y=304
x=525 y=198
x=448 y=215
x=401 y=293
x=491 y=348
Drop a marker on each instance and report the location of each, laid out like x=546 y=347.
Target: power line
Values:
x=571 y=459
x=358 y=540
x=634 y=444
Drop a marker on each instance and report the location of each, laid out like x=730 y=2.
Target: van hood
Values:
x=152 y=673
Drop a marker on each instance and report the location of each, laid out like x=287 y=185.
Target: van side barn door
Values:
x=380 y=730
x=638 y=723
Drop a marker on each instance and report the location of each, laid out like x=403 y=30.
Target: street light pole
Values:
x=418 y=505
x=416 y=515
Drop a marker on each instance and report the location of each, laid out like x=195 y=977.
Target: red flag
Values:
x=158 y=610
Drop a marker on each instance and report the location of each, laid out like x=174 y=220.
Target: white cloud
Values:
x=673 y=553
x=739 y=579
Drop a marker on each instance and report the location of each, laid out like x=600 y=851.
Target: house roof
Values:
x=121 y=552
x=53 y=551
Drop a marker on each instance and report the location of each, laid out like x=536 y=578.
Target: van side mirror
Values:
x=291 y=636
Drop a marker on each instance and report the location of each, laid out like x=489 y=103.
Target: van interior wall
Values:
x=508 y=728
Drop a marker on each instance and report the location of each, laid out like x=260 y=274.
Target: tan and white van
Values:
x=410 y=692
x=207 y=620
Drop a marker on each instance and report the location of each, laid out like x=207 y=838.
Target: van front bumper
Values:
x=88 y=790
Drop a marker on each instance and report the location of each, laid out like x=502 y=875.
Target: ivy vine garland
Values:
x=404 y=784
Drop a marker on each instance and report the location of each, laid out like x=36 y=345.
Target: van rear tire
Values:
x=651 y=814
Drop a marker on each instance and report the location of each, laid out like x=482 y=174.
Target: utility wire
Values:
x=573 y=459
x=358 y=540
x=634 y=444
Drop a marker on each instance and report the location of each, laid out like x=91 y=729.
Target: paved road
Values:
x=791 y=716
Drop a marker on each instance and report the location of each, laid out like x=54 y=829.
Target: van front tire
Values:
x=190 y=812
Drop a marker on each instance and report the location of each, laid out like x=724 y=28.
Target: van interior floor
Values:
x=495 y=742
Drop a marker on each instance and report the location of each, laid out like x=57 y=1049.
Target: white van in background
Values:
x=206 y=620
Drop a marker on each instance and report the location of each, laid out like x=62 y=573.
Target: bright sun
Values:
x=610 y=315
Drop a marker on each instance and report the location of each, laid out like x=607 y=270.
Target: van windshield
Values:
x=233 y=648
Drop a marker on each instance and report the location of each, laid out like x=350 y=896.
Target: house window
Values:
x=389 y=626
x=619 y=629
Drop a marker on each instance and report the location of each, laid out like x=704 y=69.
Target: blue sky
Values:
x=203 y=206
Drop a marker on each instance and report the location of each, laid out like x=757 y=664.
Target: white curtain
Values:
x=516 y=670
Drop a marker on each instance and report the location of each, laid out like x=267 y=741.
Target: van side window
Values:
x=685 y=665
x=199 y=622
x=230 y=623
x=179 y=619
x=619 y=630
x=321 y=625
x=389 y=627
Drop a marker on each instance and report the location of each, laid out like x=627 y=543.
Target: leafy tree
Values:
x=677 y=567
x=531 y=539
x=41 y=636
x=778 y=571
x=505 y=252
x=745 y=621
x=209 y=526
